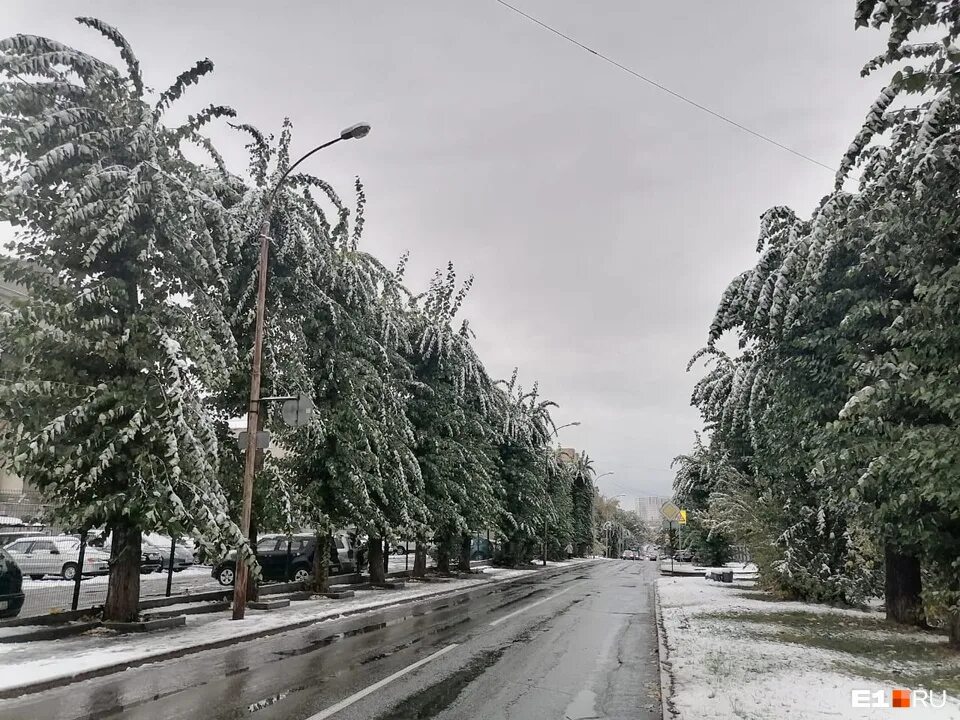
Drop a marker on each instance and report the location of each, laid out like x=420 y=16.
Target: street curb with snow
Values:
x=663 y=657
x=65 y=678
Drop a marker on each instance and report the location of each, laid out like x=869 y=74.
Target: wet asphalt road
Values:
x=577 y=643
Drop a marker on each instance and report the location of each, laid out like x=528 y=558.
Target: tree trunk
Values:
x=953 y=629
x=443 y=554
x=321 y=562
x=510 y=557
x=902 y=588
x=123 y=588
x=420 y=560
x=465 y=544
x=375 y=555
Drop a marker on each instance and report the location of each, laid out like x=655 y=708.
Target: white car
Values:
x=56 y=555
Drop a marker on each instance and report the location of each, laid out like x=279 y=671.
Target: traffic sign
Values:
x=683 y=517
x=297 y=411
x=670 y=511
x=263 y=440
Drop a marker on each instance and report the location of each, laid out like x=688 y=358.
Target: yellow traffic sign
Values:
x=683 y=517
x=670 y=511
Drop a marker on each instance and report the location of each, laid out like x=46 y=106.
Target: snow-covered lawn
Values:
x=733 y=652
x=31 y=662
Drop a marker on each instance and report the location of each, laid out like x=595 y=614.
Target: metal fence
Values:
x=62 y=572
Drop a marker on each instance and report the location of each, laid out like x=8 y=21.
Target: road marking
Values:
x=532 y=605
x=347 y=702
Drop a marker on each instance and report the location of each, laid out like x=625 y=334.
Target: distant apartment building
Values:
x=648 y=508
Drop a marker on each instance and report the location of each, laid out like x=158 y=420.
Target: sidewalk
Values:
x=31 y=666
x=728 y=651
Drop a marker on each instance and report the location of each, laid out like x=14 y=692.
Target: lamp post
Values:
x=241 y=574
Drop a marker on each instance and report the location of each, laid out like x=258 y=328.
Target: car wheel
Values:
x=36 y=577
x=69 y=571
x=301 y=575
x=225 y=576
x=178 y=569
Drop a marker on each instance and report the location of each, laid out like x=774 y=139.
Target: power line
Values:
x=665 y=89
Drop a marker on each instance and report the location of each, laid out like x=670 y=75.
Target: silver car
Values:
x=56 y=555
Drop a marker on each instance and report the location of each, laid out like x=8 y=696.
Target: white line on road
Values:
x=532 y=605
x=347 y=702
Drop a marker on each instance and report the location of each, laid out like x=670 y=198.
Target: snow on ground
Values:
x=38 y=661
x=723 y=668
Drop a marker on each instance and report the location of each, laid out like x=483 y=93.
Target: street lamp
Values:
x=253 y=409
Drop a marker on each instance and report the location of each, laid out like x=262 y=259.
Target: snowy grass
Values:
x=744 y=654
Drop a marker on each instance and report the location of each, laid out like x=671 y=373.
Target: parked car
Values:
x=278 y=563
x=151 y=559
x=11 y=586
x=683 y=556
x=481 y=549
x=182 y=556
x=56 y=555
x=409 y=546
x=8 y=534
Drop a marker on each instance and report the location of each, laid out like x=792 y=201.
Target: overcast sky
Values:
x=601 y=217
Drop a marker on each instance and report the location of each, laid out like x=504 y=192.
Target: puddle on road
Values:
x=404 y=646
x=328 y=640
x=583 y=706
x=438 y=697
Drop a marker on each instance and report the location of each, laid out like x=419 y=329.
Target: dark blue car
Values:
x=11 y=586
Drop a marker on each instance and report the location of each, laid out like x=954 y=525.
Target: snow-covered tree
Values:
x=582 y=491
x=453 y=408
x=527 y=462
x=847 y=380
x=106 y=365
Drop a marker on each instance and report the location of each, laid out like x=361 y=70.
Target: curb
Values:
x=42 y=685
x=667 y=707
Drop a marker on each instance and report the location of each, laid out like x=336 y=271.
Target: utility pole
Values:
x=241 y=573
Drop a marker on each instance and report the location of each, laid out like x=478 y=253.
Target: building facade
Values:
x=648 y=508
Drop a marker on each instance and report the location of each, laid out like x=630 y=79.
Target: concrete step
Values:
x=268 y=604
